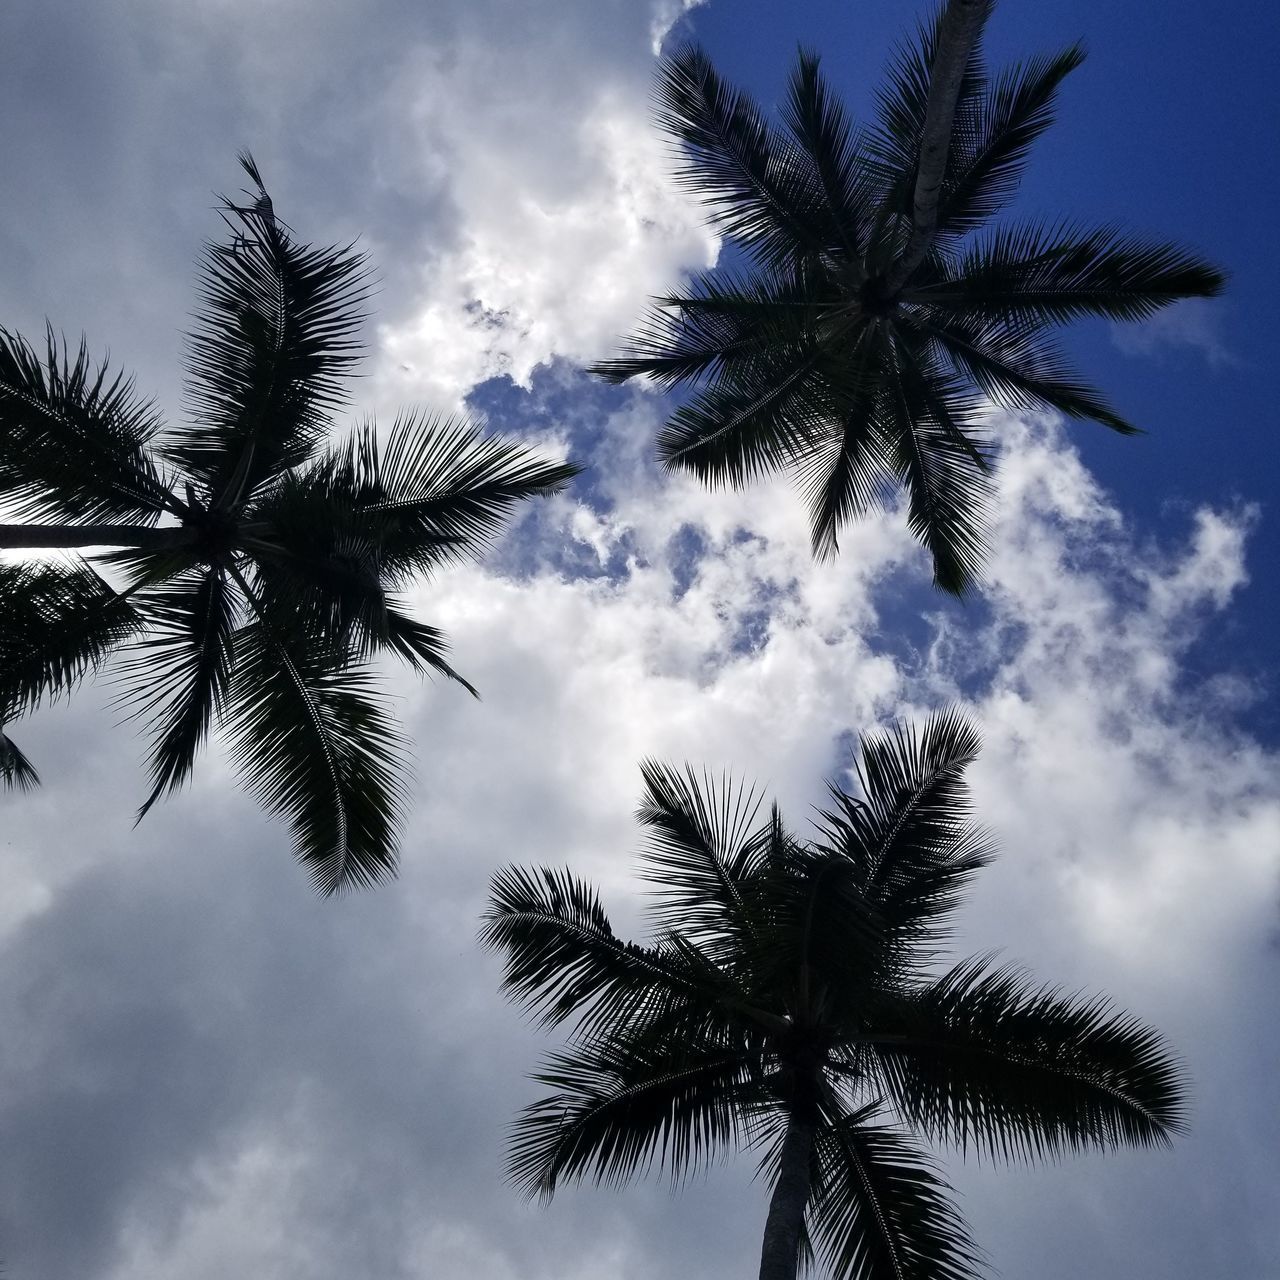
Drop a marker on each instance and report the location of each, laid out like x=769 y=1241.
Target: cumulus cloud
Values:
x=206 y=1070
x=237 y=1071
x=565 y=234
x=496 y=160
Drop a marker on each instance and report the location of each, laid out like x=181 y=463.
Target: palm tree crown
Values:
x=257 y=568
x=789 y=1001
x=878 y=309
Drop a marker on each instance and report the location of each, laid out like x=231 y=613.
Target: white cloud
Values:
x=568 y=221
x=1141 y=845
x=1193 y=324
x=206 y=1071
x=666 y=13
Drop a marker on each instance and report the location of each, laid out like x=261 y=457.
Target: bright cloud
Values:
x=565 y=235
x=206 y=1071
x=358 y=1066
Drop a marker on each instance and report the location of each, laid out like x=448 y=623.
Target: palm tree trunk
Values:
x=780 y=1253
x=962 y=21
x=49 y=536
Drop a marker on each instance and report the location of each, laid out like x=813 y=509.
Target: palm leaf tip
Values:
x=249 y=165
x=16 y=771
x=615 y=371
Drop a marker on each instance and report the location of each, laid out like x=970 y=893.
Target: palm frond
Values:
x=944 y=470
x=622 y=1102
x=1018 y=109
x=76 y=439
x=718 y=326
x=58 y=623
x=843 y=473
x=985 y=1059
x=732 y=434
x=704 y=844
x=910 y=838
x=1052 y=274
x=827 y=137
x=180 y=672
x=1019 y=368
x=16 y=771
x=760 y=187
x=439 y=491
x=562 y=958
x=315 y=743
x=274 y=342
x=879 y=1208
x=421 y=646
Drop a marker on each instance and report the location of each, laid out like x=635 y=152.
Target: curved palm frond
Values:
x=58 y=623
x=717 y=326
x=1035 y=273
x=733 y=434
x=274 y=342
x=77 y=440
x=910 y=836
x=563 y=960
x=1010 y=119
x=844 y=473
x=181 y=671
x=1019 y=368
x=16 y=771
x=623 y=1101
x=421 y=647
x=315 y=743
x=879 y=1207
x=946 y=475
x=760 y=188
x=986 y=1059
x=439 y=491
x=704 y=846
x=828 y=141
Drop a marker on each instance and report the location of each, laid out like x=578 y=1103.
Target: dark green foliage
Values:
x=834 y=357
x=796 y=982
x=258 y=569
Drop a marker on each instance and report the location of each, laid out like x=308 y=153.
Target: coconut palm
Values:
x=878 y=307
x=789 y=1001
x=257 y=567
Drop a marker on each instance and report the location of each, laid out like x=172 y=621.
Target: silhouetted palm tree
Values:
x=789 y=1002
x=257 y=565
x=878 y=309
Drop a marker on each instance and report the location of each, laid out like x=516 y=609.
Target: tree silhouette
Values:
x=880 y=308
x=789 y=1001
x=257 y=567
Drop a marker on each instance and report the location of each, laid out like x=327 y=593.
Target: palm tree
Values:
x=788 y=1001
x=877 y=309
x=256 y=568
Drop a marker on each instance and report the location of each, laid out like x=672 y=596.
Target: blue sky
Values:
x=207 y=1071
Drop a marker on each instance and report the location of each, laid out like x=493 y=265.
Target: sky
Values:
x=207 y=1071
